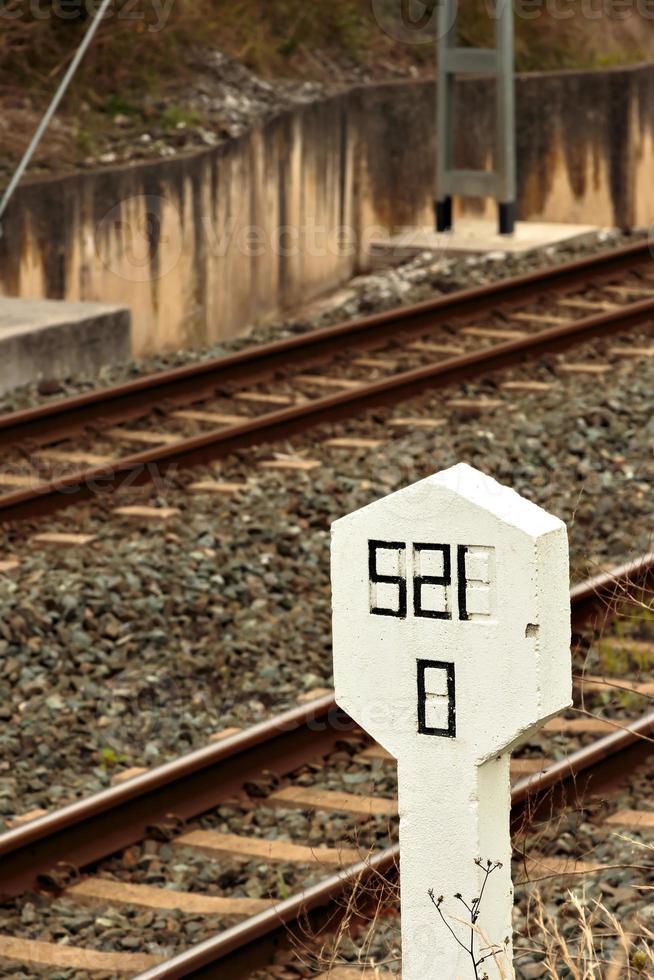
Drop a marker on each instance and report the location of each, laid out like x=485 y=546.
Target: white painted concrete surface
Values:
x=451 y=621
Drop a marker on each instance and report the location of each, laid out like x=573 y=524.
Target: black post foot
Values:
x=507 y=217
x=443 y=209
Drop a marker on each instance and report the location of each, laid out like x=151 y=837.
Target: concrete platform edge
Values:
x=477 y=238
x=59 y=339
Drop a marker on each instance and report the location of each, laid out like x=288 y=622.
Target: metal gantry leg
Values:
x=454 y=61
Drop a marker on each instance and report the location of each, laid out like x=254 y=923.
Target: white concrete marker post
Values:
x=451 y=619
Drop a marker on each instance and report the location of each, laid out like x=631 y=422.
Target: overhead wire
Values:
x=52 y=108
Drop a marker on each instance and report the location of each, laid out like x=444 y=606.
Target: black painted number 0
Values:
x=447 y=699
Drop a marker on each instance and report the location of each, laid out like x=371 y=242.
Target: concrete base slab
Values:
x=43 y=338
x=471 y=237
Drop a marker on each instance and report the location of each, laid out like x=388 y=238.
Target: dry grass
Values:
x=578 y=940
x=597 y=946
x=587 y=36
x=150 y=52
x=126 y=57
x=299 y=38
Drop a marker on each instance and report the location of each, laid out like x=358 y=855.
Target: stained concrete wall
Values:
x=203 y=246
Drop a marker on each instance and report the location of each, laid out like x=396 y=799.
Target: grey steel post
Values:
x=505 y=164
x=445 y=104
x=453 y=61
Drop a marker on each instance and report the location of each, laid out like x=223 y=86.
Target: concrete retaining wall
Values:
x=203 y=246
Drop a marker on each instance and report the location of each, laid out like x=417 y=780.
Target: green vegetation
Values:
x=85 y=142
x=175 y=115
x=151 y=46
x=627 y=652
x=117 y=105
x=111 y=758
x=566 y=34
x=151 y=58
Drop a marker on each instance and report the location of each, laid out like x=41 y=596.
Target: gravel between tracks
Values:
x=422 y=278
x=134 y=648
x=581 y=834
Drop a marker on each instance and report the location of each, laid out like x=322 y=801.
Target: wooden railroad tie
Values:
x=147 y=513
x=71 y=456
x=535 y=386
x=306 y=798
x=616 y=685
x=543 y=866
x=475 y=404
x=417 y=423
x=123 y=777
x=580 y=368
x=62 y=537
x=60 y=957
x=224 y=733
x=18 y=480
x=629 y=291
x=431 y=347
x=580 y=725
x=28 y=817
x=494 y=333
x=543 y=318
x=149 y=438
x=258 y=396
x=587 y=304
x=107 y=891
x=325 y=382
x=316 y=692
x=192 y=415
x=632 y=819
x=632 y=351
x=384 y=363
x=302 y=465
x=354 y=443
x=215 y=486
x=215 y=844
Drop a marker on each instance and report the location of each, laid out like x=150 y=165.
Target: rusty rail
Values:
x=69 y=415
x=273 y=426
x=92 y=828
x=104 y=823
x=242 y=946
x=598 y=596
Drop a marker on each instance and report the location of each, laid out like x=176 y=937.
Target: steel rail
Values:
x=273 y=426
x=192 y=381
x=599 y=594
x=102 y=824
x=92 y=828
x=586 y=768
x=234 y=945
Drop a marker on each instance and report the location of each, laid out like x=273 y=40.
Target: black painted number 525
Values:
x=399 y=581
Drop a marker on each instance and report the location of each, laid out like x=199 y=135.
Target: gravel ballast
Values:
x=422 y=278
x=580 y=834
x=136 y=647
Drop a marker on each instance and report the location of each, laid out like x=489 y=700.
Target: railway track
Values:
x=71 y=450
x=299 y=768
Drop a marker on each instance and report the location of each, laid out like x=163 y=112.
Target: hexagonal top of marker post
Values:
x=451 y=616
